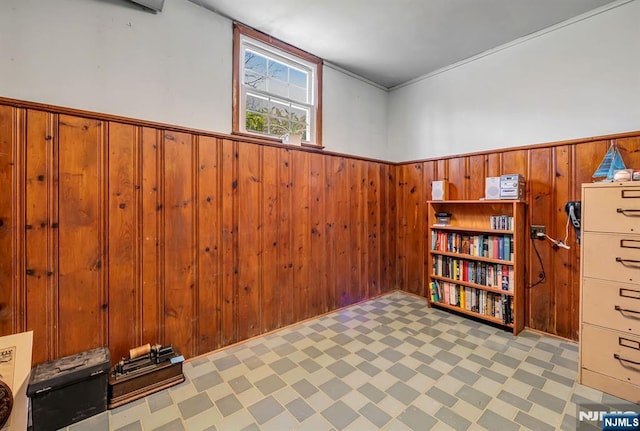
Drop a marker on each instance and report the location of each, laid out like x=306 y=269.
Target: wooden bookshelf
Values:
x=476 y=261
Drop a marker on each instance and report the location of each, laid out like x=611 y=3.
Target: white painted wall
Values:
x=354 y=115
x=112 y=57
x=577 y=81
x=173 y=67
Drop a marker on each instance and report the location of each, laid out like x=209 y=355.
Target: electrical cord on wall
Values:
x=556 y=242
x=560 y=243
x=542 y=276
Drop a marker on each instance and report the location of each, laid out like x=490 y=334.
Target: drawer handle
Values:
x=629 y=194
x=628 y=213
x=621 y=359
x=629 y=293
x=625 y=310
x=629 y=243
x=627 y=262
x=631 y=344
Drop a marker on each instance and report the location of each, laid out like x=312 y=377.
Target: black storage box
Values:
x=69 y=389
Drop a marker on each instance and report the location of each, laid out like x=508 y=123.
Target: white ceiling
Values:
x=390 y=42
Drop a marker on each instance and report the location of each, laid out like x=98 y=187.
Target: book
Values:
x=505 y=278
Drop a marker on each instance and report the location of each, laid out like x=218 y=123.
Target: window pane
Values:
x=280 y=110
x=278 y=88
x=254 y=80
x=257 y=104
x=255 y=62
x=298 y=94
x=278 y=127
x=300 y=128
x=299 y=78
x=299 y=114
x=278 y=70
x=256 y=122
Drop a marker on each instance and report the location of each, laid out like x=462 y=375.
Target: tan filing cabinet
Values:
x=610 y=289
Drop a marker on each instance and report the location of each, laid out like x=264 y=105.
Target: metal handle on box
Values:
x=625 y=310
x=629 y=293
x=630 y=194
x=619 y=358
x=632 y=213
x=72 y=366
x=627 y=262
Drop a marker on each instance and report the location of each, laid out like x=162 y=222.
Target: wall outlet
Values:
x=538 y=232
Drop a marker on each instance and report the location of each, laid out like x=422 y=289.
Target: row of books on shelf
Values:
x=486 y=274
x=501 y=222
x=491 y=246
x=471 y=299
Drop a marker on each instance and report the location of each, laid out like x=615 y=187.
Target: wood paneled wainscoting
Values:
x=119 y=232
x=554 y=175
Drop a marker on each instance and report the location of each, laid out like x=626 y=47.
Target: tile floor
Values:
x=389 y=363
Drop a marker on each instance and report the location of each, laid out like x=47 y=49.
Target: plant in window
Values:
x=291 y=128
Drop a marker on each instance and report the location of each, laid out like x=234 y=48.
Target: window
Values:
x=277 y=88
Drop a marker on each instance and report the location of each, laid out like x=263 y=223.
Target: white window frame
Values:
x=249 y=39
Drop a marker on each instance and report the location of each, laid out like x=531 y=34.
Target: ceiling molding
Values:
x=354 y=75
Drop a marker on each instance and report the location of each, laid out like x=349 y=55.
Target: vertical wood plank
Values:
x=428 y=175
x=402 y=222
x=541 y=296
x=342 y=262
x=179 y=247
x=354 y=231
x=363 y=276
x=493 y=164
x=566 y=285
x=7 y=219
x=249 y=240
x=301 y=231
x=285 y=242
x=271 y=296
x=39 y=247
x=82 y=302
x=13 y=272
x=517 y=162
x=228 y=204
x=149 y=217
x=331 y=228
x=318 y=238
x=476 y=176
x=208 y=251
x=392 y=226
x=629 y=151
x=415 y=230
x=386 y=282
x=373 y=231
x=457 y=175
x=442 y=169
x=122 y=237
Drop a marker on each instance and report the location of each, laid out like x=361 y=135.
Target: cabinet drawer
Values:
x=612 y=305
x=611 y=210
x=612 y=353
x=611 y=257
x=615 y=387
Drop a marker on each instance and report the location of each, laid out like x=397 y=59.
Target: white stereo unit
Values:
x=492 y=188
x=512 y=186
x=439 y=190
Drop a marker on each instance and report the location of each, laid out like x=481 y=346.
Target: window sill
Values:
x=274 y=141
